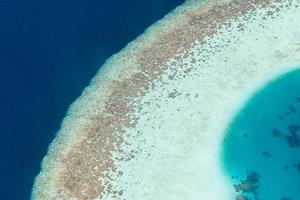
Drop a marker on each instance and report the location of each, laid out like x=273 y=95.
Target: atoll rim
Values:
x=151 y=123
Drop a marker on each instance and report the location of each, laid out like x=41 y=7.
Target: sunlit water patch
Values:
x=262 y=146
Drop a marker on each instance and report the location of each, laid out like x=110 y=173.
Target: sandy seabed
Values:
x=151 y=123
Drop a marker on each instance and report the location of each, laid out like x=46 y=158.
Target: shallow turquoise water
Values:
x=262 y=145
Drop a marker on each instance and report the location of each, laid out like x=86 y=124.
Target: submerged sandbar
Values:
x=151 y=122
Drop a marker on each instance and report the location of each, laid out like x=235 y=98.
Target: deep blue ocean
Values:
x=262 y=145
x=49 y=51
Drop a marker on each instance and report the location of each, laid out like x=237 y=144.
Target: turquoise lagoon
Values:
x=261 y=151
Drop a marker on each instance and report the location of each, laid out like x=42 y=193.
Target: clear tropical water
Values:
x=262 y=145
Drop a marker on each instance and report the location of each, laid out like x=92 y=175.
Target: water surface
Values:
x=262 y=145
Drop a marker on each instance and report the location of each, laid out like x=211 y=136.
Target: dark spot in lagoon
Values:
x=266 y=153
x=249 y=185
x=287 y=113
x=240 y=197
x=297 y=166
x=294 y=128
x=293 y=138
x=292 y=108
x=280 y=117
x=277 y=132
x=272 y=147
x=234 y=177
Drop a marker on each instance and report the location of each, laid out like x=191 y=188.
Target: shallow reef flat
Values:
x=151 y=123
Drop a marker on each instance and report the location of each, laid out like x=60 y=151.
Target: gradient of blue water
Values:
x=49 y=50
x=263 y=138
